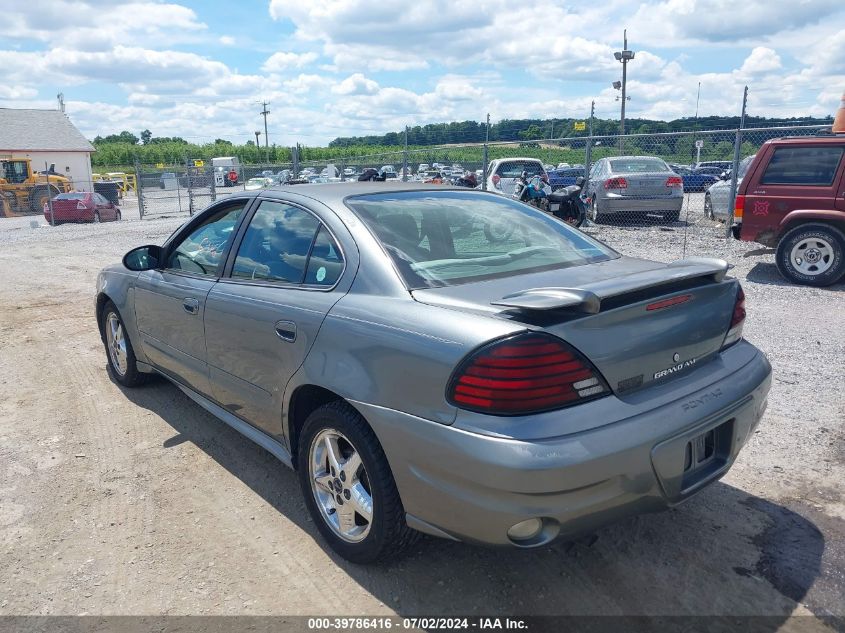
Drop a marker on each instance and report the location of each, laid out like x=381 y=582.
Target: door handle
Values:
x=192 y=306
x=286 y=330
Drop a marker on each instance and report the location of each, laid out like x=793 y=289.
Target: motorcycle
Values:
x=565 y=203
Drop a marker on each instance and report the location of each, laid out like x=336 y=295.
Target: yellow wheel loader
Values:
x=25 y=191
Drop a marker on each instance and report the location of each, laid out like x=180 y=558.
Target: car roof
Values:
x=821 y=138
x=333 y=193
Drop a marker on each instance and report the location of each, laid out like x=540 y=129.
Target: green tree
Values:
x=146 y=135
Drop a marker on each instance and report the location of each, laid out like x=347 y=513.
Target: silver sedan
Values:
x=629 y=186
x=442 y=360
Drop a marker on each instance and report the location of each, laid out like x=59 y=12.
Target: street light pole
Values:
x=265 y=112
x=623 y=56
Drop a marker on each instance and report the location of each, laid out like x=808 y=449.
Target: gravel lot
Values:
x=138 y=502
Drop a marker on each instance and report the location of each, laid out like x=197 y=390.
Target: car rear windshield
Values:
x=71 y=196
x=444 y=238
x=514 y=169
x=803 y=166
x=637 y=165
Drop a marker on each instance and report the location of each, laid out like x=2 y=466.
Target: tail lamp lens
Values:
x=737 y=320
x=523 y=374
x=616 y=183
x=739 y=207
x=674 y=181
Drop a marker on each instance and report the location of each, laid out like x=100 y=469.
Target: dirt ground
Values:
x=118 y=501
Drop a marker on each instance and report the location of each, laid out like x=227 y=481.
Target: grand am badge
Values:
x=674 y=368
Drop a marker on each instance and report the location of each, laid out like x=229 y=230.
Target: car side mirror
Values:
x=143 y=258
x=579 y=181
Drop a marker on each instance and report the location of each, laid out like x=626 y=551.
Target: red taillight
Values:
x=616 y=183
x=674 y=181
x=737 y=319
x=739 y=207
x=496 y=179
x=526 y=373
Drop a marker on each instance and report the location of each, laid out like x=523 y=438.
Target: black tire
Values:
x=118 y=217
x=593 y=213
x=389 y=533
x=96 y=219
x=820 y=237
x=39 y=195
x=131 y=377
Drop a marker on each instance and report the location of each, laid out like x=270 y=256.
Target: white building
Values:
x=47 y=137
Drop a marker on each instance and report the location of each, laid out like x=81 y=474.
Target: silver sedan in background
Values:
x=641 y=186
x=717 y=199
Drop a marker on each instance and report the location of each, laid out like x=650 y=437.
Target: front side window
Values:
x=277 y=244
x=202 y=250
x=803 y=166
x=446 y=238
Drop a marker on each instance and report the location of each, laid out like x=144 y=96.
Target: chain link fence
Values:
x=670 y=190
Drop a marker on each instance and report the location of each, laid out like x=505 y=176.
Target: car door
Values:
x=104 y=207
x=261 y=319
x=170 y=301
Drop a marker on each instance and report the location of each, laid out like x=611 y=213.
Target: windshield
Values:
x=444 y=238
x=637 y=165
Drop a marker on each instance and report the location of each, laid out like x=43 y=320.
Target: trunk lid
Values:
x=650 y=185
x=637 y=321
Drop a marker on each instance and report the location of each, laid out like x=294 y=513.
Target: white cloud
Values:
x=282 y=61
x=226 y=40
x=356 y=84
x=761 y=60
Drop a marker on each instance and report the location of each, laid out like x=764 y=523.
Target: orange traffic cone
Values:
x=839 y=121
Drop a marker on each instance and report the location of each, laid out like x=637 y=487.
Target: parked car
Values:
x=259 y=182
x=712 y=171
x=422 y=167
x=724 y=165
x=505 y=380
x=694 y=181
x=642 y=185
x=792 y=198
x=502 y=173
x=717 y=199
x=82 y=206
x=564 y=177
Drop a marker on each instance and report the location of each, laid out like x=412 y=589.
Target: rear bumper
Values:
x=75 y=215
x=614 y=203
x=473 y=487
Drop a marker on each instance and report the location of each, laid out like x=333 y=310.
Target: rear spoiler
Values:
x=589 y=297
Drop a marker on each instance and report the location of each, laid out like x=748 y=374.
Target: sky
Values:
x=329 y=68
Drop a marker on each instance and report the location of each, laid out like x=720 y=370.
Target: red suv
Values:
x=793 y=198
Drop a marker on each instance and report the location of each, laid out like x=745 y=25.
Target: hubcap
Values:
x=340 y=485
x=812 y=256
x=116 y=342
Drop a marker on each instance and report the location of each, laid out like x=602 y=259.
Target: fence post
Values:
x=405 y=158
x=295 y=153
x=588 y=148
x=189 y=176
x=213 y=185
x=139 y=189
x=735 y=166
x=485 y=156
x=49 y=196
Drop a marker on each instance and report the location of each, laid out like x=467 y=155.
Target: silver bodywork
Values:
x=719 y=193
x=247 y=351
x=645 y=192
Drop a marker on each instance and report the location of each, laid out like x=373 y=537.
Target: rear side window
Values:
x=275 y=247
x=803 y=166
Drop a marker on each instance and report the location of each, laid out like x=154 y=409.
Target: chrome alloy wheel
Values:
x=340 y=485
x=116 y=342
x=812 y=256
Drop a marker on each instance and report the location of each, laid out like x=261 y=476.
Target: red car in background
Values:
x=82 y=206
